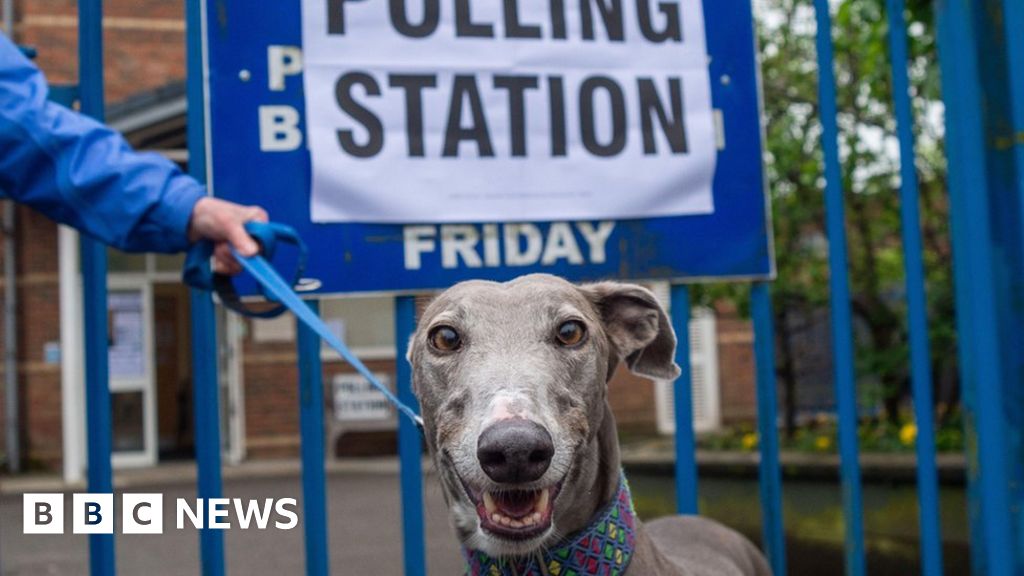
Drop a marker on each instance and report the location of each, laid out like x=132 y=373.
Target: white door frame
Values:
x=72 y=364
x=231 y=370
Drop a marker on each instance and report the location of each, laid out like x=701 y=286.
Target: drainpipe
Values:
x=11 y=340
x=11 y=343
x=10 y=311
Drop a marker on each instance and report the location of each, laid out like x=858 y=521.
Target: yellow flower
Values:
x=822 y=443
x=749 y=441
x=908 y=433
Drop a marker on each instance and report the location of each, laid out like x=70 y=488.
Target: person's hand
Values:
x=223 y=223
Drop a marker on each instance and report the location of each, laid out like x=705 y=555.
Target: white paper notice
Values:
x=528 y=110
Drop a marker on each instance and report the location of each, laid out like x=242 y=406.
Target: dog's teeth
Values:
x=506 y=521
x=536 y=517
x=516 y=524
x=489 y=504
x=542 y=501
x=496 y=518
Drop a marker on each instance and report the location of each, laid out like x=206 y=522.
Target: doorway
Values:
x=151 y=370
x=173 y=369
x=129 y=350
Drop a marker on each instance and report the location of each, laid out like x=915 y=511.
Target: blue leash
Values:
x=197 y=274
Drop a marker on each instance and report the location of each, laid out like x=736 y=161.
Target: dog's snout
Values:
x=514 y=451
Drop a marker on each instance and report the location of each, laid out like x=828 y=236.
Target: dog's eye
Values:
x=571 y=333
x=445 y=339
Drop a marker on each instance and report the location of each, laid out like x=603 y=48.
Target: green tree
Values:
x=869 y=152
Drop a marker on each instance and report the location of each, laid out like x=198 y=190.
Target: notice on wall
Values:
x=356 y=400
x=435 y=111
x=127 y=350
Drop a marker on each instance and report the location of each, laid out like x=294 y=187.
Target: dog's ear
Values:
x=637 y=327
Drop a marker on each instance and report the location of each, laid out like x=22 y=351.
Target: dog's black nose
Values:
x=515 y=451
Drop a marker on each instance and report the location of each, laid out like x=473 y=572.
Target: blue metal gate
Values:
x=982 y=60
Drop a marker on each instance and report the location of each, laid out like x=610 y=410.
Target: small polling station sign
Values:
x=417 y=143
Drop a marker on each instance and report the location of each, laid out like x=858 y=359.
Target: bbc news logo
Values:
x=144 y=513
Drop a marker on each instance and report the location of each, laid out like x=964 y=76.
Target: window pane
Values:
x=127 y=414
x=363 y=322
x=126 y=349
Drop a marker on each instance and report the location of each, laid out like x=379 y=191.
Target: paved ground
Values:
x=364 y=529
x=364 y=514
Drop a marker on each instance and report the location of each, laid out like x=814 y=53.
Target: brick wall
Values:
x=38 y=322
x=270 y=374
x=144 y=42
x=632 y=401
x=736 y=370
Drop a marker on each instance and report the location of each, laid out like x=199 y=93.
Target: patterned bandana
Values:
x=602 y=549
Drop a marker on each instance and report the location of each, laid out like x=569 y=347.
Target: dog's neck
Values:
x=605 y=546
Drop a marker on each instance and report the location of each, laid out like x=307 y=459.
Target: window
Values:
x=366 y=324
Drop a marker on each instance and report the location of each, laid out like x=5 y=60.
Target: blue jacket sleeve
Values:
x=82 y=173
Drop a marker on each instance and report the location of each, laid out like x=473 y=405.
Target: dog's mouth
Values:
x=515 y=514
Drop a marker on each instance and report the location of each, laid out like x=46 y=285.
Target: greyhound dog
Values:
x=512 y=382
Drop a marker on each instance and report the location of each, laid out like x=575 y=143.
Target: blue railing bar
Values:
x=207 y=424
x=205 y=391
x=94 y=299
x=314 y=488
x=1013 y=18
x=772 y=528
x=686 y=445
x=839 y=284
x=410 y=446
x=1013 y=23
x=917 y=312
x=977 y=314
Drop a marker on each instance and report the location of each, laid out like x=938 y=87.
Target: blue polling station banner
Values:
x=254 y=61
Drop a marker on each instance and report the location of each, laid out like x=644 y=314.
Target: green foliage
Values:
x=870 y=171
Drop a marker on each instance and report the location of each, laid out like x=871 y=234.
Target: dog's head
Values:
x=511 y=379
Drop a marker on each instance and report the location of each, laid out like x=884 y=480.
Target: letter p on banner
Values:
x=93 y=514
x=43 y=514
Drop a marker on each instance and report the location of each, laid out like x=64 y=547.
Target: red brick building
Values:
x=144 y=70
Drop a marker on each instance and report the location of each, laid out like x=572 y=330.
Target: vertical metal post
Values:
x=206 y=398
x=686 y=451
x=985 y=212
x=839 y=285
x=410 y=447
x=12 y=431
x=772 y=528
x=94 y=298
x=917 y=312
x=311 y=408
x=1013 y=16
x=1013 y=23
x=205 y=391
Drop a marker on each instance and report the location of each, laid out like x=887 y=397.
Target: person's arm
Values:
x=82 y=173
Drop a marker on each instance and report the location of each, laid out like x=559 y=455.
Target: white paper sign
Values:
x=126 y=351
x=356 y=400
x=528 y=110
